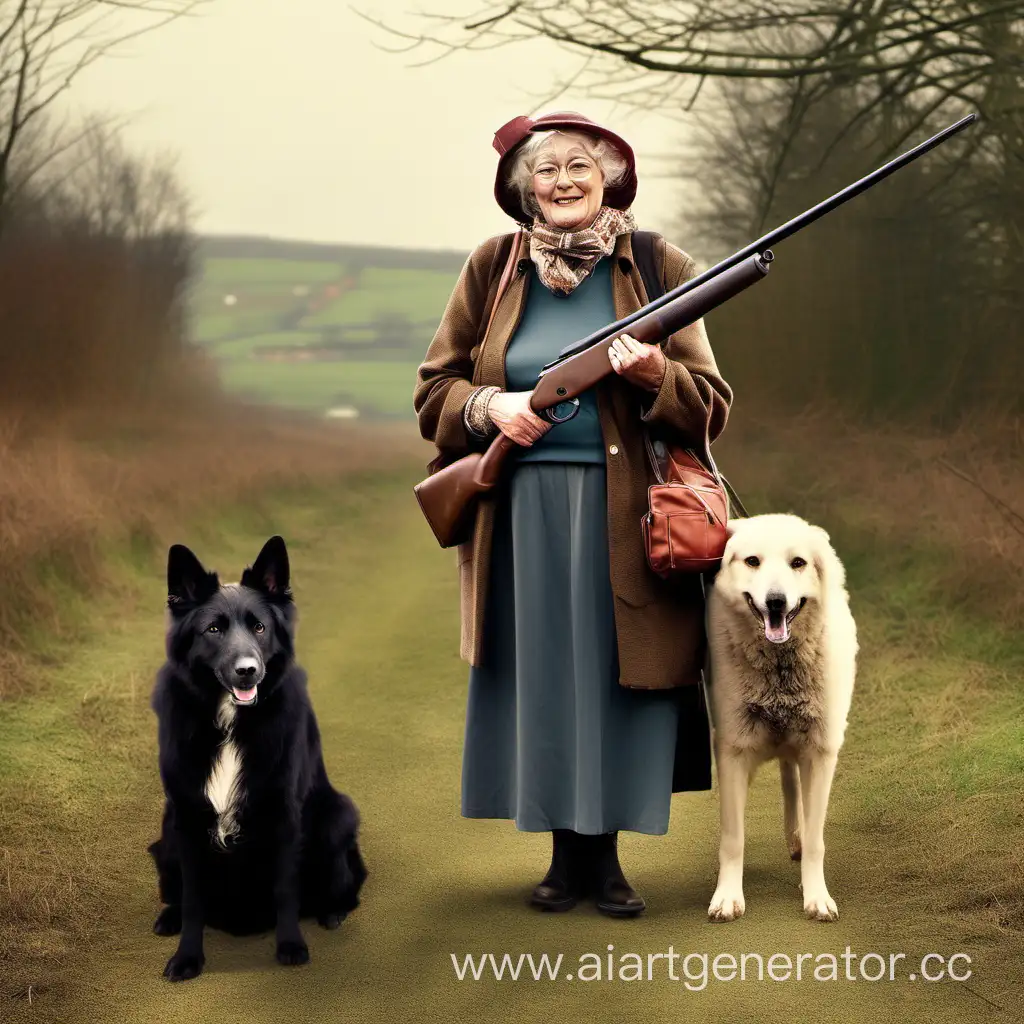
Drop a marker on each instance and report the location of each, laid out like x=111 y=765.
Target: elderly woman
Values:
x=585 y=709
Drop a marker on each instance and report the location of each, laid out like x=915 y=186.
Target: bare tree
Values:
x=97 y=187
x=661 y=54
x=44 y=46
x=787 y=100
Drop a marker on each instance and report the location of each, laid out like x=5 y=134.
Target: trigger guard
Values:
x=562 y=412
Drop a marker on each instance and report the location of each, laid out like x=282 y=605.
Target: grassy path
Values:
x=378 y=635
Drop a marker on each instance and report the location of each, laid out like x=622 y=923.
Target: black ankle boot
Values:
x=615 y=896
x=558 y=890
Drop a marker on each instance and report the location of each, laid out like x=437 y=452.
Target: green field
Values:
x=384 y=387
x=376 y=322
x=239 y=348
x=417 y=294
x=921 y=832
x=227 y=274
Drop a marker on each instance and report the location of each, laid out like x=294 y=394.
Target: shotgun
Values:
x=448 y=497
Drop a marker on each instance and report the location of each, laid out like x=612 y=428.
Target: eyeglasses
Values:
x=578 y=170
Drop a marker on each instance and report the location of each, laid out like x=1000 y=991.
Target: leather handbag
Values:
x=685 y=528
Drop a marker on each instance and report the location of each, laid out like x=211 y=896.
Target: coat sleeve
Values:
x=444 y=380
x=693 y=397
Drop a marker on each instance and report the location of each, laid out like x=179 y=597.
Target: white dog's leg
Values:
x=816 y=772
x=733 y=780
x=792 y=807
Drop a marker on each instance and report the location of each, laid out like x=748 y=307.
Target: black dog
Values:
x=254 y=836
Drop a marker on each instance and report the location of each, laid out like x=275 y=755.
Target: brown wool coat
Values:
x=659 y=625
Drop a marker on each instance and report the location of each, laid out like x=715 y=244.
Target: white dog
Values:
x=783 y=649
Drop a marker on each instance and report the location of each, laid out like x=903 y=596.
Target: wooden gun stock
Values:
x=447 y=497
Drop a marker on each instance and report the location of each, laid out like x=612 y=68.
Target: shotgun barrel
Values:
x=573 y=374
x=772 y=238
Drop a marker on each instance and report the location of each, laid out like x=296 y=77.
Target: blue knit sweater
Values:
x=549 y=323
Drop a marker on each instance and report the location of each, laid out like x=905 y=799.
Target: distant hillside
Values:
x=265 y=248
x=338 y=330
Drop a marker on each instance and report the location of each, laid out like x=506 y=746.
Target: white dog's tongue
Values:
x=776 y=634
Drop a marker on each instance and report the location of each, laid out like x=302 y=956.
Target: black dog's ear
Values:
x=188 y=583
x=270 y=572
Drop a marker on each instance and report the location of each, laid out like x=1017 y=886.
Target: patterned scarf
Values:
x=564 y=258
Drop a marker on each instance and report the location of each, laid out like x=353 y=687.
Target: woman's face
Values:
x=568 y=183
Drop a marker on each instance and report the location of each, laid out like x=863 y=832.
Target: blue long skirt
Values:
x=552 y=739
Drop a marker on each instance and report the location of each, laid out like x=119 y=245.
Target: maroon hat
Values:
x=508 y=137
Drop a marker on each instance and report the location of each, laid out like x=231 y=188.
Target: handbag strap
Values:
x=653 y=458
x=643 y=256
x=650 y=274
x=734 y=499
x=647 y=265
x=503 y=283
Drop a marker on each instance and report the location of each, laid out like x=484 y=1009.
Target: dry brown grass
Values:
x=930 y=528
x=961 y=491
x=948 y=836
x=120 y=478
x=73 y=497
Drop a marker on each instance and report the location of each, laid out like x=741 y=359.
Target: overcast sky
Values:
x=287 y=120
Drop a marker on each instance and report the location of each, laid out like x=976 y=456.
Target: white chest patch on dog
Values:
x=224 y=786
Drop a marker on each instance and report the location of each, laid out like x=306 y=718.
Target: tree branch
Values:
x=46 y=44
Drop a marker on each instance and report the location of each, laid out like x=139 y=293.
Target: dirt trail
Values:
x=378 y=635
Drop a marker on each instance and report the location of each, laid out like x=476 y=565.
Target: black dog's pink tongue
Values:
x=244 y=695
x=776 y=633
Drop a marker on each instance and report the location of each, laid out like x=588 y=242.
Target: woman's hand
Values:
x=641 y=364
x=511 y=413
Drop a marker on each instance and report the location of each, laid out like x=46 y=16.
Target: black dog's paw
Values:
x=331 y=921
x=168 y=921
x=183 y=966
x=292 y=953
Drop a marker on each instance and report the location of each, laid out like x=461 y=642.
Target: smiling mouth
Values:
x=776 y=627
x=568 y=201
